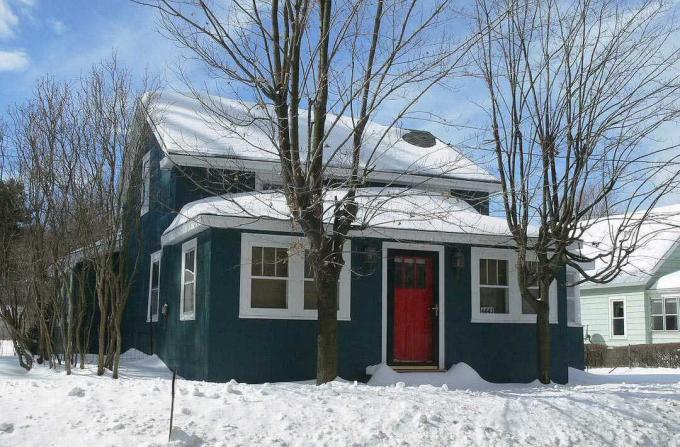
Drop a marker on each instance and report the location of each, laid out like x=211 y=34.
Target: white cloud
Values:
x=13 y=60
x=57 y=26
x=8 y=20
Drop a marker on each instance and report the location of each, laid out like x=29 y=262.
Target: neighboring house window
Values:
x=573 y=298
x=154 y=286
x=618 y=317
x=277 y=281
x=495 y=289
x=188 y=292
x=146 y=182
x=665 y=313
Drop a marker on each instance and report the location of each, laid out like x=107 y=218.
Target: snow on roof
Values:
x=219 y=127
x=670 y=281
x=379 y=209
x=658 y=238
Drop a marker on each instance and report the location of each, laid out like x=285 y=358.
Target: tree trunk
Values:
x=543 y=338
x=327 y=338
x=103 y=317
x=119 y=343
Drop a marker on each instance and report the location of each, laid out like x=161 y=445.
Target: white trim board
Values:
x=442 y=310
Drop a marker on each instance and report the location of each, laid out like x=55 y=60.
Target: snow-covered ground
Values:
x=43 y=407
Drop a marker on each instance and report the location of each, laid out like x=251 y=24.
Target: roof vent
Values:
x=421 y=138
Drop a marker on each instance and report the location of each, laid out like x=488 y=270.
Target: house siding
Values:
x=595 y=315
x=220 y=346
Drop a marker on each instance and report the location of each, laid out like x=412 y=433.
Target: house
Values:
x=428 y=281
x=640 y=306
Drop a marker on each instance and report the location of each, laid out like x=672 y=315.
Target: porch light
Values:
x=370 y=255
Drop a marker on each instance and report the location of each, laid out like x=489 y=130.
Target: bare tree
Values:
x=304 y=65
x=577 y=91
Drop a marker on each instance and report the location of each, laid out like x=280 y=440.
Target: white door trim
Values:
x=415 y=247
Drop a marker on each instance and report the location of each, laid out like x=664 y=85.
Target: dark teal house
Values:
x=225 y=290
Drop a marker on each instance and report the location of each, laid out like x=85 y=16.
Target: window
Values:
x=154 y=286
x=534 y=290
x=269 y=278
x=188 y=279
x=277 y=279
x=493 y=291
x=665 y=313
x=618 y=317
x=573 y=298
x=146 y=182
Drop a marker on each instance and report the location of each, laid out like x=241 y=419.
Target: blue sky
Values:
x=65 y=37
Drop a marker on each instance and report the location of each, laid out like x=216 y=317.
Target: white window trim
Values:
x=663 y=309
x=146 y=183
x=155 y=257
x=577 y=302
x=514 y=297
x=186 y=247
x=613 y=299
x=296 y=282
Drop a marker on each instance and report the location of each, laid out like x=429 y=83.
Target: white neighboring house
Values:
x=641 y=305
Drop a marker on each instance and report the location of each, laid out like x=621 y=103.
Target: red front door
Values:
x=414 y=309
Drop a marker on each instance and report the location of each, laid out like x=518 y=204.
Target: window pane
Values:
x=617 y=324
x=571 y=310
x=409 y=277
x=269 y=261
x=617 y=307
x=483 y=279
x=188 y=275
x=671 y=306
x=308 y=266
x=420 y=274
x=154 y=302
x=493 y=300
x=398 y=272
x=671 y=322
x=268 y=294
x=532 y=267
x=657 y=323
x=256 y=259
x=188 y=298
x=311 y=298
x=492 y=272
x=155 y=272
x=526 y=305
x=189 y=257
x=657 y=307
x=281 y=262
x=502 y=272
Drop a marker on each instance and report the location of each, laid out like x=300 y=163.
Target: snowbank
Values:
x=42 y=408
x=459 y=376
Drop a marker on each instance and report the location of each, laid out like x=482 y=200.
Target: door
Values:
x=414 y=310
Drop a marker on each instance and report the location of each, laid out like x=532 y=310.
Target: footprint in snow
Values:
x=77 y=392
x=6 y=427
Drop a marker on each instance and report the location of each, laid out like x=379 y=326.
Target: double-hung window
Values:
x=494 y=296
x=188 y=278
x=277 y=279
x=665 y=313
x=495 y=288
x=573 y=298
x=617 y=312
x=146 y=183
x=154 y=286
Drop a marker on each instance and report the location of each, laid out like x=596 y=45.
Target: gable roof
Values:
x=383 y=212
x=220 y=128
x=657 y=253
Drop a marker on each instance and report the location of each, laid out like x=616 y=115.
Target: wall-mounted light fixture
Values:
x=457 y=260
